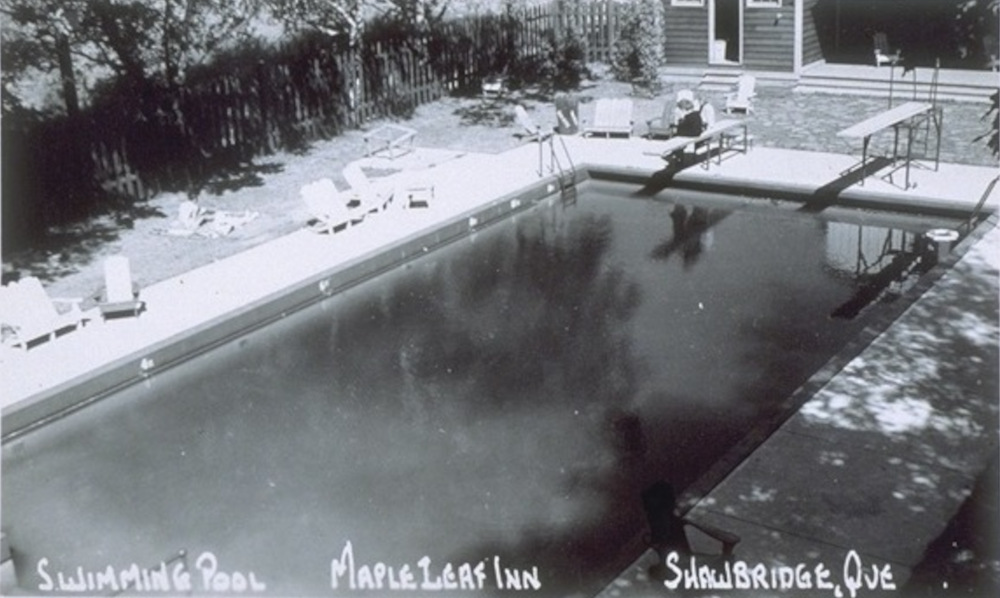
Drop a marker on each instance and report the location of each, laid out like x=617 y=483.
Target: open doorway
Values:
x=725 y=31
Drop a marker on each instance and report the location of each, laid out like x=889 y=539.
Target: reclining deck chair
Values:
x=121 y=295
x=29 y=314
x=664 y=126
x=494 y=87
x=741 y=99
x=882 y=53
x=327 y=205
x=190 y=217
x=612 y=116
x=531 y=129
x=366 y=196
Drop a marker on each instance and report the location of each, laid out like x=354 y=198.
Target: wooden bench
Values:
x=905 y=115
x=394 y=140
x=724 y=131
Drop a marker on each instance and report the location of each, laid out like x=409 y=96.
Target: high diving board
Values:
x=907 y=115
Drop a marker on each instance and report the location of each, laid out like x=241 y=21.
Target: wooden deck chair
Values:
x=121 y=296
x=883 y=55
x=530 y=128
x=612 y=116
x=190 y=218
x=494 y=87
x=741 y=99
x=29 y=314
x=366 y=196
x=327 y=206
x=664 y=126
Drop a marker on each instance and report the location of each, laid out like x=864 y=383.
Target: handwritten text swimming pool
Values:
x=163 y=578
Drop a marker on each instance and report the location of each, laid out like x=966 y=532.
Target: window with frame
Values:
x=764 y=3
x=687 y=3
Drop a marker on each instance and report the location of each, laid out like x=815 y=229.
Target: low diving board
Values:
x=907 y=115
x=725 y=131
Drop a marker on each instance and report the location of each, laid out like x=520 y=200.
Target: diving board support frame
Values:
x=723 y=130
x=931 y=119
x=909 y=115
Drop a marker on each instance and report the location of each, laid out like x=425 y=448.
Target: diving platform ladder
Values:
x=919 y=131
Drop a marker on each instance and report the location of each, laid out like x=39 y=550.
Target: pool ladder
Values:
x=567 y=188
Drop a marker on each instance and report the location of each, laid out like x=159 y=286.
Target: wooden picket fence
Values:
x=170 y=140
x=598 y=21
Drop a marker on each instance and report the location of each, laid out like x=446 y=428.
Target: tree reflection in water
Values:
x=522 y=317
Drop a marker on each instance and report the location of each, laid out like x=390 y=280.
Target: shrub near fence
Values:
x=135 y=143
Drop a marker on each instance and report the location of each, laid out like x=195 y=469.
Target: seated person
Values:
x=690 y=123
x=685 y=104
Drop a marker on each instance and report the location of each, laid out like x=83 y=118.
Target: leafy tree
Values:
x=135 y=42
x=330 y=17
x=37 y=38
x=976 y=22
x=976 y=25
x=638 y=51
x=569 y=52
x=992 y=136
x=351 y=17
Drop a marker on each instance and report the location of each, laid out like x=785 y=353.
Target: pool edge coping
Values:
x=121 y=372
x=65 y=397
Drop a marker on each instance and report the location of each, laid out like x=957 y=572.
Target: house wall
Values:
x=769 y=41
x=686 y=32
x=811 y=49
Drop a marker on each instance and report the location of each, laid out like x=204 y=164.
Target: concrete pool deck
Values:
x=194 y=311
x=877 y=461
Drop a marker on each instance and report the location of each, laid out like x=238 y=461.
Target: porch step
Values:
x=724 y=79
x=719 y=79
x=952 y=86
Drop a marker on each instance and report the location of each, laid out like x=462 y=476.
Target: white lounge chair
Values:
x=366 y=196
x=883 y=55
x=494 y=87
x=665 y=125
x=533 y=131
x=121 y=296
x=612 y=116
x=741 y=99
x=190 y=216
x=28 y=314
x=194 y=220
x=327 y=205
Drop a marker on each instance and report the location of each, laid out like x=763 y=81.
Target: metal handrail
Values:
x=554 y=161
x=982 y=202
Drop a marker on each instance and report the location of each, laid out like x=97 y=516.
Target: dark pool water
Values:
x=499 y=404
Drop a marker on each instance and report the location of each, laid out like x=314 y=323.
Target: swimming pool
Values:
x=496 y=405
